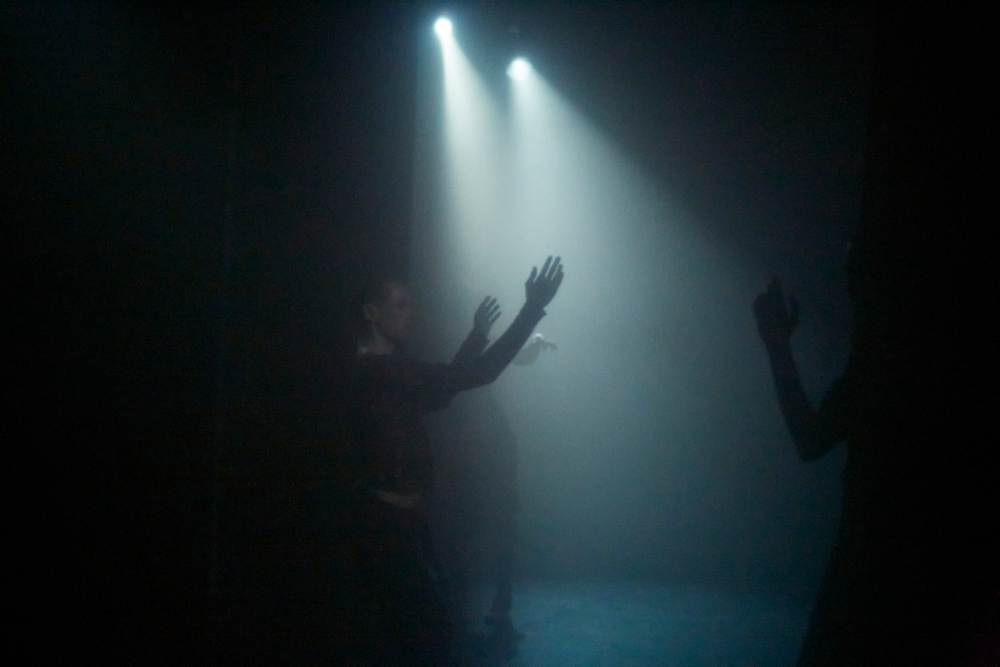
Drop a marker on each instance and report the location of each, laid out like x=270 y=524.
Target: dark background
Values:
x=199 y=189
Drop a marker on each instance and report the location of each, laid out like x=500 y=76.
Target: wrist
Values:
x=533 y=304
x=533 y=309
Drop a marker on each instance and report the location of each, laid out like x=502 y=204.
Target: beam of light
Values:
x=473 y=143
x=469 y=206
x=443 y=28
x=546 y=181
x=616 y=430
x=573 y=187
x=624 y=363
x=519 y=69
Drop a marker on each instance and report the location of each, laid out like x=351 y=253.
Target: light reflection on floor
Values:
x=642 y=625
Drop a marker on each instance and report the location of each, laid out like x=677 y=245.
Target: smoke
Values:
x=649 y=442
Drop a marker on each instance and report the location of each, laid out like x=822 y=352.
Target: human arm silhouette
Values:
x=482 y=321
x=539 y=290
x=436 y=384
x=813 y=431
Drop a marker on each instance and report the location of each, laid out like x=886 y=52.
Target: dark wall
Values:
x=920 y=483
x=197 y=185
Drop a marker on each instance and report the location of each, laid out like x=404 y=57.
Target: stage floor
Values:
x=644 y=625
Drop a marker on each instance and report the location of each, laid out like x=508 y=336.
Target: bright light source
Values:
x=443 y=28
x=519 y=69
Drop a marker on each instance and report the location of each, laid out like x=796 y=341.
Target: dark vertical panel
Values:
x=125 y=142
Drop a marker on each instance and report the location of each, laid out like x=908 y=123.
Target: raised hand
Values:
x=486 y=314
x=775 y=321
x=542 y=286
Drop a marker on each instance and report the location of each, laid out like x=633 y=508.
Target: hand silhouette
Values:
x=486 y=314
x=775 y=321
x=542 y=287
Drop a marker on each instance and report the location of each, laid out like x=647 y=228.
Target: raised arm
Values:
x=539 y=290
x=434 y=385
x=813 y=431
x=479 y=337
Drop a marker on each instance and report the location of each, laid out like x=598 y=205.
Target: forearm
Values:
x=471 y=348
x=803 y=421
x=488 y=366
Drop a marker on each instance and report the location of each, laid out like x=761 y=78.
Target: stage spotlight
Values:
x=443 y=28
x=519 y=69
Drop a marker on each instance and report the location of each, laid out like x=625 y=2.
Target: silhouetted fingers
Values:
x=534 y=272
x=556 y=268
x=545 y=268
x=484 y=307
x=494 y=317
x=557 y=281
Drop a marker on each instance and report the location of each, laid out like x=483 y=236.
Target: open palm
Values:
x=775 y=320
x=542 y=286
